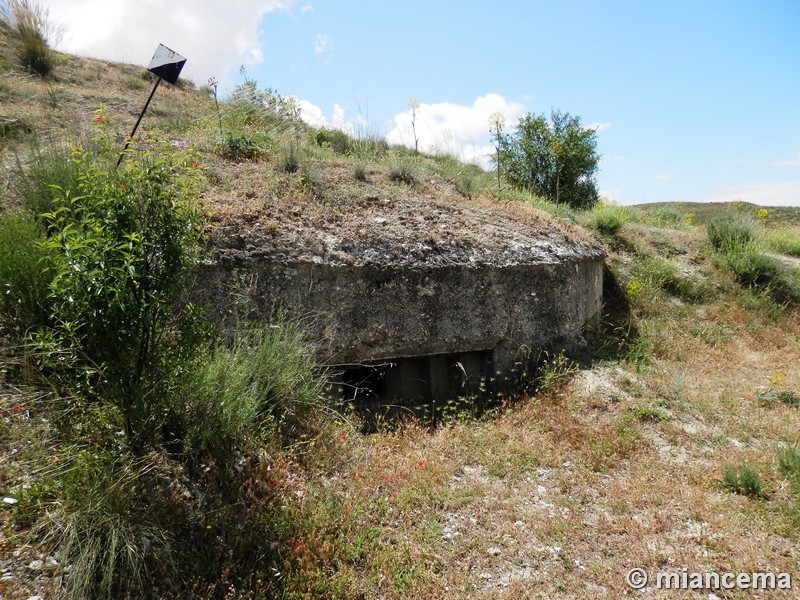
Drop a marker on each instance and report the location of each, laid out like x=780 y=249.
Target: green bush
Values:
x=789 y=463
x=664 y=274
x=120 y=245
x=336 y=140
x=744 y=480
x=241 y=145
x=608 y=219
x=23 y=284
x=736 y=228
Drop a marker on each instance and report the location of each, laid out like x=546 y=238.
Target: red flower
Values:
x=342 y=438
x=99 y=119
x=16 y=408
x=421 y=464
x=195 y=165
x=122 y=185
x=273 y=482
x=387 y=478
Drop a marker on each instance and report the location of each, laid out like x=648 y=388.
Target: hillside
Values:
x=671 y=445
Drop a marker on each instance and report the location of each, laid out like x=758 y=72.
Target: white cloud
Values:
x=306 y=8
x=663 y=176
x=321 y=44
x=794 y=162
x=314 y=116
x=785 y=193
x=212 y=37
x=599 y=127
x=462 y=131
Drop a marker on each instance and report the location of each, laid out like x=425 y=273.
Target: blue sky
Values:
x=692 y=100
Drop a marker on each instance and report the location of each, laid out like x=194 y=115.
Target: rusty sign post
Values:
x=167 y=65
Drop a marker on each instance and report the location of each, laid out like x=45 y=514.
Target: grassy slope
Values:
x=558 y=495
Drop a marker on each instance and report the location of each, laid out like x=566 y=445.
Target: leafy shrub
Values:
x=736 y=228
x=120 y=245
x=23 y=284
x=335 y=139
x=251 y=108
x=240 y=145
x=744 y=480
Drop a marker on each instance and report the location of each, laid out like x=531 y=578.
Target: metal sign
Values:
x=166 y=64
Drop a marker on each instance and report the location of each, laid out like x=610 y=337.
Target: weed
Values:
x=743 y=480
x=404 y=169
x=787 y=397
x=360 y=172
x=648 y=412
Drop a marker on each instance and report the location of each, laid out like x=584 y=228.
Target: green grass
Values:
x=743 y=480
x=606 y=218
x=784 y=241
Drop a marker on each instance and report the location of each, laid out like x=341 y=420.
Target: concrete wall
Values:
x=369 y=314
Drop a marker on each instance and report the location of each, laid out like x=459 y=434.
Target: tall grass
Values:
x=784 y=241
x=264 y=383
x=26 y=28
x=23 y=283
x=607 y=218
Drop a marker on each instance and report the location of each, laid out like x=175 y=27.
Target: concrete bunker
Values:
x=406 y=316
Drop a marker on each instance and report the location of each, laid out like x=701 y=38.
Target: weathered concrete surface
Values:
x=394 y=273
x=367 y=313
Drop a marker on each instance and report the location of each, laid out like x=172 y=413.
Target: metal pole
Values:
x=139 y=120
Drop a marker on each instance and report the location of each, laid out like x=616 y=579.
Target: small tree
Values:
x=497 y=121
x=555 y=158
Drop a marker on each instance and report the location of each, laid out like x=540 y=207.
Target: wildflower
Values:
x=195 y=165
x=122 y=185
x=421 y=464
x=16 y=408
x=387 y=478
x=342 y=438
x=208 y=526
x=99 y=119
x=272 y=482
